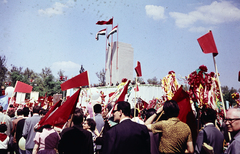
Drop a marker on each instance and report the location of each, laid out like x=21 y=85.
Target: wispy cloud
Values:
x=56 y=9
x=70 y=68
x=4 y=1
x=155 y=12
x=210 y=15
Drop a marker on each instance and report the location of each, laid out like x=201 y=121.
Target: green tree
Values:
x=3 y=69
x=154 y=81
x=101 y=77
x=227 y=95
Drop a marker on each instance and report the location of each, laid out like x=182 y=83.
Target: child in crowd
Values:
x=4 y=139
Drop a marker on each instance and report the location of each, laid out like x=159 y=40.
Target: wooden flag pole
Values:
x=220 y=89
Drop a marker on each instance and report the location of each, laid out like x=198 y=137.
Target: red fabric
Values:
x=207 y=44
x=109 y=22
x=77 y=81
x=138 y=69
x=124 y=92
x=22 y=87
x=3 y=137
x=185 y=113
x=136 y=89
x=110 y=94
x=60 y=116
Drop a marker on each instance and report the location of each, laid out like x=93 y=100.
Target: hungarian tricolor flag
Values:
x=138 y=69
x=114 y=30
x=101 y=32
x=207 y=44
x=109 y=22
x=22 y=87
x=58 y=115
x=77 y=81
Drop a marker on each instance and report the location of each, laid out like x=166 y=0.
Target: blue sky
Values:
x=61 y=35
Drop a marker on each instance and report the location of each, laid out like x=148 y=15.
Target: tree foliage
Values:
x=3 y=69
x=154 y=81
x=101 y=77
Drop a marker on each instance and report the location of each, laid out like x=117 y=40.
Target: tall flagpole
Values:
x=135 y=98
x=117 y=47
x=106 y=52
x=111 y=56
x=220 y=89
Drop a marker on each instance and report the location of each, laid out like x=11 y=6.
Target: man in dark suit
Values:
x=127 y=137
x=76 y=139
x=209 y=134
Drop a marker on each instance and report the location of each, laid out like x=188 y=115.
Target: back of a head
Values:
x=171 y=108
x=132 y=113
x=97 y=108
x=149 y=112
x=125 y=107
x=91 y=123
x=19 y=112
x=25 y=111
x=208 y=115
x=36 y=109
x=77 y=117
x=3 y=128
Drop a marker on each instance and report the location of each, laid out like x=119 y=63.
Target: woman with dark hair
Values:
x=90 y=125
x=4 y=139
x=176 y=135
x=46 y=141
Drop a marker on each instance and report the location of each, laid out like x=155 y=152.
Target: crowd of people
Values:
x=122 y=133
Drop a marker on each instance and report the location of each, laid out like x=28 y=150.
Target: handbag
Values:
x=207 y=148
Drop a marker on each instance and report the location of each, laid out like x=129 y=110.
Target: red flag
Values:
x=109 y=22
x=110 y=94
x=136 y=89
x=77 y=81
x=185 y=111
x=138 y=69
x=207 y=44
x=124 y=92
x=60 y=116
x=239 y=76
x=22 y=87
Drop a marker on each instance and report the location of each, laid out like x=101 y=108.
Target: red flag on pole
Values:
x=77 y=81
x=109 y=22
x=124 y=92
x=22 y=87
x=138 y=69
x=136 y=89
x=207 y=44
x=58 y=117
